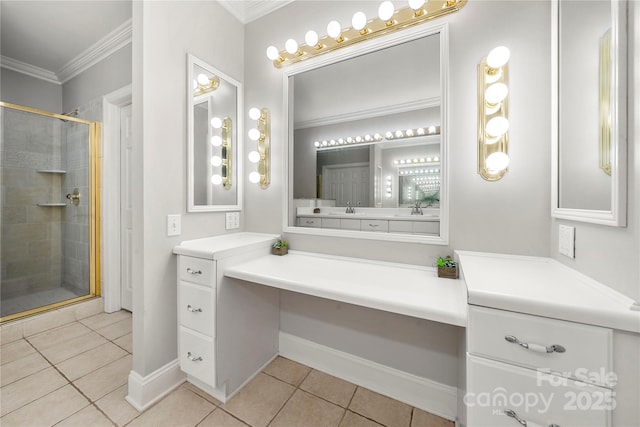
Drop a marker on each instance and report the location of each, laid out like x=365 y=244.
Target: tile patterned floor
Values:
x=76 y=375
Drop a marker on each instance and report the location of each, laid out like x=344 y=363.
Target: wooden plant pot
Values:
x=448 y=272
x=279 y=251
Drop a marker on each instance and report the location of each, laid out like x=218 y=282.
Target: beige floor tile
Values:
x=180 y=408
x=106 y=379
x=15 y=350
x=304 y=409
x=10 y=332
x=105 y=319
x=58 y=335
x=87 y=417
x=352 y=419
x=26 y=390
x=21 y=368
x=329 y=388
x=89 y=308
x=203 y=394
x=116 y=330
x=380 y=408
x=260 y=400
x=116 y=407
x=220 y=418
x=46 y=321
x=125 y=342
x=73 y=347
x=47 y=410
x=90 y=361
x=287 y=370
x=425 y=419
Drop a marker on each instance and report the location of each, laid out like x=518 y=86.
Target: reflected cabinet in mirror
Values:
x=367 y=140
x=589 y=111
x=213 y=111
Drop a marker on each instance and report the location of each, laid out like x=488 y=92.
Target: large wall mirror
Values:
x=589 y=111
x=367 y=150
x=213 y=110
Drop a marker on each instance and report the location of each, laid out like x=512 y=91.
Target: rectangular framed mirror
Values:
x=367 y=140
x=589 y=115
x=214 y=105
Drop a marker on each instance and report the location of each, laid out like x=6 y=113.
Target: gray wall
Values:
x=163 y=34
x=21 y=89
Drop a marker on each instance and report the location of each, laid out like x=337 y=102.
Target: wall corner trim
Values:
x=145 y=391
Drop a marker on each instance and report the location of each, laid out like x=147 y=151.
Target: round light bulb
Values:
x=359 y=20
x=497 y=162
x=254 y=134
x=409 y=132
x=377 y=137
x=216 y=179
x=389 y=135
x=385 y=11
x=254 y=113
x=334 y=29
x=416 y=4
x=496 y=127
x=216 y=141
x=254 y=177
x=203 y=79
x=216 y=161
x=273 y=53
x=216 y=122
x=399 y=134
x=317 y=143
x=291 y=46
x=496 y=93
x=254 y=157
x=311 y=38
x=498 y=57
x=432 y=129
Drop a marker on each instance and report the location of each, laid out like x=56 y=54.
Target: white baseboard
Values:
x=431 y=396
x=145 y=391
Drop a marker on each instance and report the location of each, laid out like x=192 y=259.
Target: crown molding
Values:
x=372 y=112
x=104 y=47
x=247 y=11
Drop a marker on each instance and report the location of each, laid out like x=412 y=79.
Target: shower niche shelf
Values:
x=52 y=205
x=54 y=171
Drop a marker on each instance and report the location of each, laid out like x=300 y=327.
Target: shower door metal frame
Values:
x=95 y=133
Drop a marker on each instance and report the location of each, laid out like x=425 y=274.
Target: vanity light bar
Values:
x=419 y=171
x=376 y=137
x=417 y=161
x=205 y=84
x=223 y=161
x=389 y=185
x=388 y=21
x=413 y=133
x=262 y=156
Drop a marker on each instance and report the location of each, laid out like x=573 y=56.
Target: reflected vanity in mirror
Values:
x=367 y=140
x=589 y=111
x=213 y=106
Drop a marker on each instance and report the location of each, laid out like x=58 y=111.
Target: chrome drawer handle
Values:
x=194 y=272
x=193 y=358
x=193 y=309
x=511 y=413
x=536 y=347
x=309 y=222
x=374 y=225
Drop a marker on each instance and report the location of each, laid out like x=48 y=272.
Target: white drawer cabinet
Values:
x=196 y=309
x=309 y=222
x=378 y=225
x=197 y=355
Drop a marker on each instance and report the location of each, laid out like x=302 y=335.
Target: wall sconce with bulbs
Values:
x=224 y=141
x=205 y=84
x=388 y=20
x=262 y=154
x=493 y=114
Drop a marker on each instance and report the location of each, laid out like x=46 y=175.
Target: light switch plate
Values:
x=566 y=240
x=174 y=227
x=232 y=220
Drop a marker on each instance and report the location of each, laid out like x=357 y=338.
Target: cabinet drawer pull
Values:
x=193 y=309
x=193 y=358
x=194 y=272
x=310 y=222
x=374 y=225
x=511 y=413
x=536 y=347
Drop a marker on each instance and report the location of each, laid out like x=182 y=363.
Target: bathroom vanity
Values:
x=540 y=343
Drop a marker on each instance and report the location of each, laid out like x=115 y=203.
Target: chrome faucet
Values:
x=417 y=210
x=350 y=209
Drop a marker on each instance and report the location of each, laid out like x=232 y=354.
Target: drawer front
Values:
x=495 y=387
x=197 y=356
x=330 y=222
x=350 y=224
x=310 y=222
x=374 y=225
x=426 y=227
x=587 y=354
x=196 y=308
x=196 y=270
x=400 y=227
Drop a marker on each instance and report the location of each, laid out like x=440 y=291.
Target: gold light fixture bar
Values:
x=262 y=135
x=204 y=84
x=227 y=152
x=402 y=18
x=605 y=102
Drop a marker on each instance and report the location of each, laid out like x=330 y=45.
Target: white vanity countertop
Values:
x=222 y=246
x=397 y=288
x=544 y=287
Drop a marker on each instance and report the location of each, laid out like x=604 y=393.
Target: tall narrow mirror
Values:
x=214 y=106
x=589 y=111
x=367 y=141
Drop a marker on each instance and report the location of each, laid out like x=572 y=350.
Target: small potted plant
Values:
x=447 y=268
x=280 y=247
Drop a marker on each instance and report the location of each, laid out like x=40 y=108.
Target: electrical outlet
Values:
x=566 y=240
x=232 y=220
x=173 y=225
